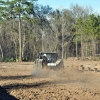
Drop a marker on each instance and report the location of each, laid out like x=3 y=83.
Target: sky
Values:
x=60 y=4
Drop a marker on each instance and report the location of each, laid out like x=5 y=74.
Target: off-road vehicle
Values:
x=52 y=61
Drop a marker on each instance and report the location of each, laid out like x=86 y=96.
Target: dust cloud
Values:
x=68 y=76
x=43 y=73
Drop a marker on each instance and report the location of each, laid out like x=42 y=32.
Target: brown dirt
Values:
x=21 y=81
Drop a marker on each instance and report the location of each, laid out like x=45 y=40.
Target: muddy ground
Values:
x=22 y=81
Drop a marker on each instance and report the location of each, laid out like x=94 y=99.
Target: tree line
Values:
x=27 y=28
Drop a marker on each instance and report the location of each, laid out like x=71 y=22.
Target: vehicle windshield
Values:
x=52 y=56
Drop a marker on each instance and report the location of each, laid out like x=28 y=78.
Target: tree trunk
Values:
x=93 y=47
x=1 y=52
x=42 y=41
x=62 y=44
x=56 y=45
x=86 y=50
x=23 y=45
x=82 y=54
x=76 y=49
x=15 y=50
x=20 y=42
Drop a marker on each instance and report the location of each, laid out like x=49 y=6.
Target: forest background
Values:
x=27 y=28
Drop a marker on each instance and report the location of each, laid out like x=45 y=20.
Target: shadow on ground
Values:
x=14 y=77
x=4 y=95
x=26 y=86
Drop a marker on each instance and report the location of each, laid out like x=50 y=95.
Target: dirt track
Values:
x=19 y=81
